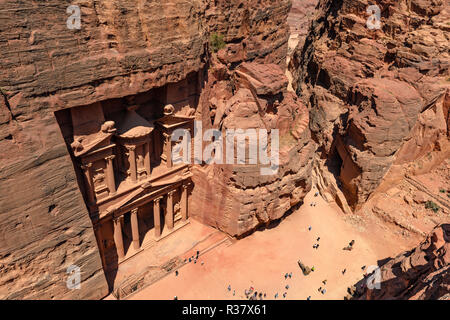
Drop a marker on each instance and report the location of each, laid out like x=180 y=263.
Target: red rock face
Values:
x=258 y=25
x=300 y=16
x=420 y=274
x=125 y=49
x=376 y=96
x=238 y=198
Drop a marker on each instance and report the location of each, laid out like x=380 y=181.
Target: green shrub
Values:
x=431 y=205
x=217 y=42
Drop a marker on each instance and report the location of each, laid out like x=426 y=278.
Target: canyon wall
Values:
x=376 y=96
x=125 y=48
x=122 y=48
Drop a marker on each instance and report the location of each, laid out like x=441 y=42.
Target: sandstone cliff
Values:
x=123 y=48
x=376 y=96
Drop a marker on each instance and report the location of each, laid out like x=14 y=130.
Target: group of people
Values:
x=193 y=258
x=252 y=294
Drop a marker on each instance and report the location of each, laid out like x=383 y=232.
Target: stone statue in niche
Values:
x=99 y=177
x=140 y=161
x=177 y=211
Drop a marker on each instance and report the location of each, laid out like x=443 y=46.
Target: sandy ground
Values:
x=262 y=259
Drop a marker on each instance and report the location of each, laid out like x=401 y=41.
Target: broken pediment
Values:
x=90 y=130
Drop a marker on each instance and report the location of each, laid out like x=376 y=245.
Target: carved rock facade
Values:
x=79 y=185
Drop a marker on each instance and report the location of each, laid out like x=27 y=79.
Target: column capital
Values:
x=158 y=199
x=111 y=157
x=135 y=210
x=130 y=147
x=118 y=219
x=171 y=192
x=86 y=166
x=167 y=136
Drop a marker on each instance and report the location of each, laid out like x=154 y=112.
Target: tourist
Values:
x=290 y=275
x=276 y=295
x=229 y=287
x=176 y=273
x=309 y=298
x=287 y=287
x=343 y=271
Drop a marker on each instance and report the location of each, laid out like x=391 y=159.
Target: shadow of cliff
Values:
x=411 y=277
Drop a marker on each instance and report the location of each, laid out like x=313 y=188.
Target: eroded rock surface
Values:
x=420 y=274
x=124 y=48
x=238 y=198
x=376 y=97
